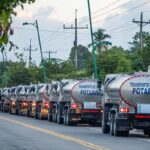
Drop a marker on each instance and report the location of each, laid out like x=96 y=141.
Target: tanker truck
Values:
x=31 y=100
x=5 y=99
x=42 y=101
x=20 y=107
x=76 y=101
x=126 y=103
x=13 y=98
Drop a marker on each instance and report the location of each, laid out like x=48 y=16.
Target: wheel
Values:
x=10 y=111
x=49 y=116
x=67 y=119
x=36 y=115
x=147 y=132
x=28 y=113
x=54 y=119
x=16 y=112
x=59 y=119
x=112 y=124
x=125 y=133
x=105 y=129
x=116 y=132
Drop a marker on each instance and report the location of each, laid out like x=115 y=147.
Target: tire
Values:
x=125 y=133
x=116 y=132
x=36 y=114
x=10 y=110
x=59 y=119
x=28 y=113
x=147 y=132
x=112 y=124
x=67 y=119
x=16 y=112
x=105 y=129
x=50 y=116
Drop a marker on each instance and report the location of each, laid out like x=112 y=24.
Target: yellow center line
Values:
x=62 y=136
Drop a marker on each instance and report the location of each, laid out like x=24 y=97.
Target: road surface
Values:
x=22 y=133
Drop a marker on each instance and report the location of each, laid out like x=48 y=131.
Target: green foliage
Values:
x=83 y=55
x=113 y=60
x=140 y=59
x=100 y=38
x=6 y=11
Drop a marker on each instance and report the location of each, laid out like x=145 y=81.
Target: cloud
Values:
x=44 y=12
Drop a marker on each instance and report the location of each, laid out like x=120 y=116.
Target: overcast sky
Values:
x=113 y=15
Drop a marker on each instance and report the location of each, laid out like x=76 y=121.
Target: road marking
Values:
x=62 y=136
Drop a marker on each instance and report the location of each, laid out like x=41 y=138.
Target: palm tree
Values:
x=99 y=38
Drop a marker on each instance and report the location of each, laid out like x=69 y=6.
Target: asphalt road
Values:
x=22 y=133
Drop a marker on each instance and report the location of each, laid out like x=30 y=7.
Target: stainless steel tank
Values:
x=132 y=89
x=80 y=90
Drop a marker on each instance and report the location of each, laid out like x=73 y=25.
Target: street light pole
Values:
x=42 y=60
x=93 y=46
x=43 y=65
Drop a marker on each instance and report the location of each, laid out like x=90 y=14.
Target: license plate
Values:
x=143 y=108
x=89 y=105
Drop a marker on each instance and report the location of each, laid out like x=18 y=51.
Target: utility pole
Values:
x=76 y=37
x=49 y=53
x=92 y=39
x=30 y=51
x=141 y=23
x=40 y=45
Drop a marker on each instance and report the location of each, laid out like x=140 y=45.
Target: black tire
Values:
x=10 y=110
x=105 y=129
x=36 y=115
x=59 y=119
x=50 y=116
x=112 y=123
x=28 y=113
x=147 y=132
x=67 y=119
x=16 y=112
x=125 y=133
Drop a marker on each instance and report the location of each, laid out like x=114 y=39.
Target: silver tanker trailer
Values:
x=126 y=103
x=76 y=101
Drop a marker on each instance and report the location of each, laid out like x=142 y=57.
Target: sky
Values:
x=115 y=16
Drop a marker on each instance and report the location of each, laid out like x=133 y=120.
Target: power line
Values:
x=109 y=18
x=111 y=4
x=96 y=16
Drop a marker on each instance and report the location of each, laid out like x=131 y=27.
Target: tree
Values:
x=146 y=53
x=83 y=55
x=136 y=55
x=6 y=11
x=114 y=60
x=100 y=38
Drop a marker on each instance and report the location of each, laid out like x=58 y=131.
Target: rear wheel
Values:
x=147 y=132
x=112 y=123
x=67 y=118
x=49 y=115
x=10 y=110
x=59 y=118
